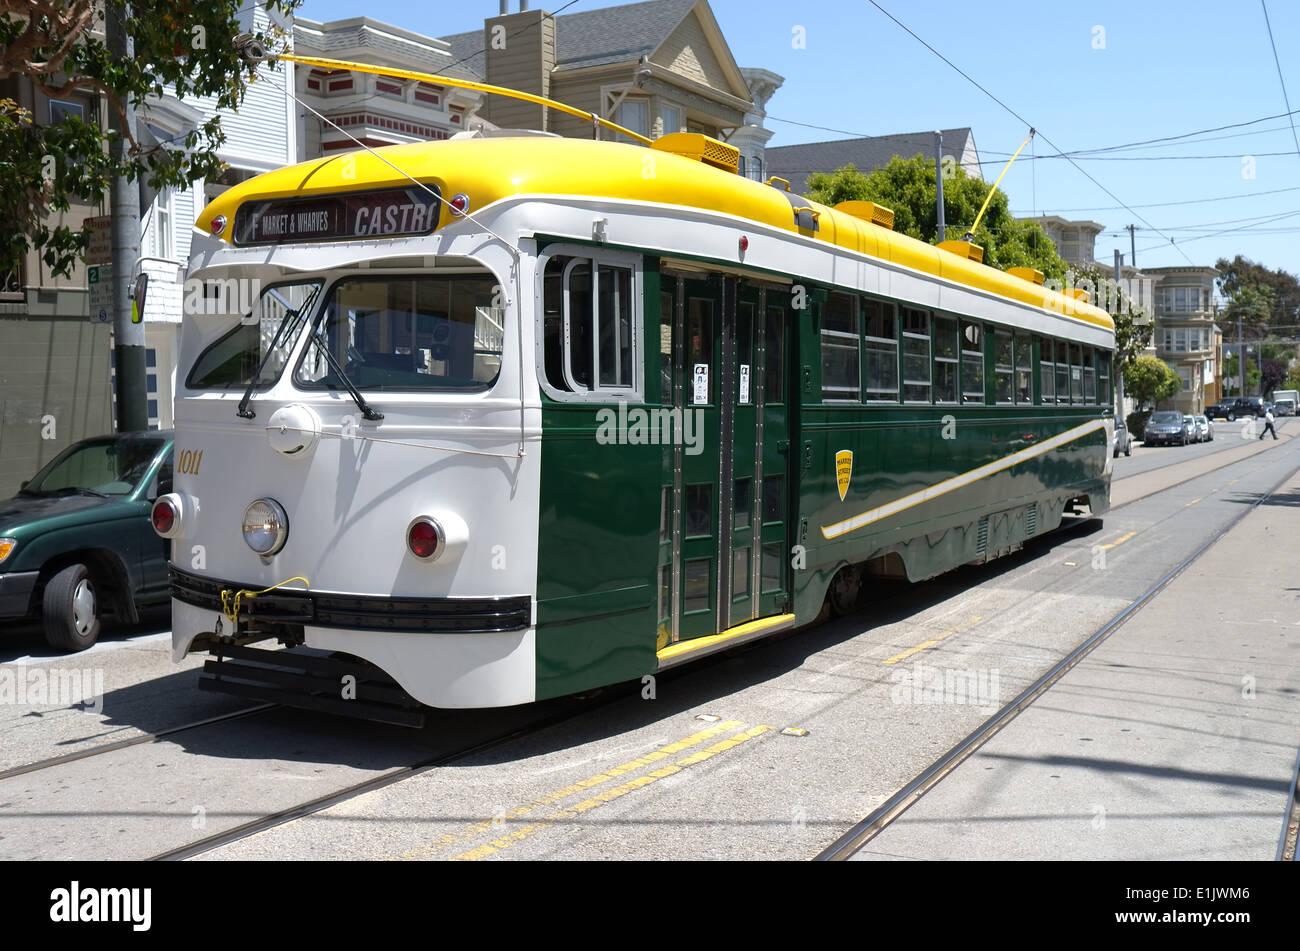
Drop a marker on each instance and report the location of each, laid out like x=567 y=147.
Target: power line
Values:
x=1289 y=214
x=1285 y=99
x=1189 y=201
x=1133 y=158
x=1031 y=125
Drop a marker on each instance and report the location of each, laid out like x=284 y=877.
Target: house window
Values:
x=758 y=168
x=633 y=114
x=162 y=224
x=672 y=119
x=62 y=108
x=741 y=167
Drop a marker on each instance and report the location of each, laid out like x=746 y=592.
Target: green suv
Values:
x=77 y=541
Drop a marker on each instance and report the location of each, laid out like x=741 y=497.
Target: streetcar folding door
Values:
x=730 y=481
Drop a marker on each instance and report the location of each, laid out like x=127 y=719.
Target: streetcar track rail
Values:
x=388 y=778
x=853 y=840
x=1170 y=465
x=1286 y=848
x=133 y=741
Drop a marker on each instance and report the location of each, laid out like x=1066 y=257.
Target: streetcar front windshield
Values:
x=257 y=350
x=408 y=333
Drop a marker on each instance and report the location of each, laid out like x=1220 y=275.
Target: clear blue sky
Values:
x=1167 y=67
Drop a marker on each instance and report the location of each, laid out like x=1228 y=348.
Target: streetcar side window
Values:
x=916 y=355
x=589 y=328
x=946 y=355
x=1089 y=377
x=1103 y=378
x=840 y=380
x=972 y=363
x=1024 y=373
x=880 y=337
x=1047 y=369
x=1062 y=372
x=1003 y=366
x=1076 y=375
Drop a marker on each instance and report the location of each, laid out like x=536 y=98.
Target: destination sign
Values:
x=393 y=212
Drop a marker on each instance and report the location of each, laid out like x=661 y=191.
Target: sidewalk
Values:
x=1175 y=739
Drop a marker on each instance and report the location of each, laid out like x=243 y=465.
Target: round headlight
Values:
x=266 y=526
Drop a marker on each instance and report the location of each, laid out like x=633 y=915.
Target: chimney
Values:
x=519 y=52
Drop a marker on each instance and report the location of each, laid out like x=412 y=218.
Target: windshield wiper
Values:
x=293 y=317
x=367 y=410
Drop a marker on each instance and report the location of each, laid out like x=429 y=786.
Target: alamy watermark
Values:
x=37 y=687
x=654 y=426
x=1114 y=297
x=924 y=684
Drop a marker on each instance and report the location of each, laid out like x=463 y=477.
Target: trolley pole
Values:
x=128 y=337
x=938 y=180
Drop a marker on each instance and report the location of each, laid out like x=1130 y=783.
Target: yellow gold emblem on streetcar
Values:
x=843 y=470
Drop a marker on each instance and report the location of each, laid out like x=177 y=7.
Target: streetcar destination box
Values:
x=389 y=213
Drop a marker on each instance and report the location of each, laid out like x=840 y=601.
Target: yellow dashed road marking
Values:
x=583 y=785
x=930 y=643
x=609 y=795
x=1191 y=503
x=1119 y=541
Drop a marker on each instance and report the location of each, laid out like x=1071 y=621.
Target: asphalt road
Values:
x=701 y=769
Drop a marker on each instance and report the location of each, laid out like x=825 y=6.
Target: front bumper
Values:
x=16 y=592
x=357 y=612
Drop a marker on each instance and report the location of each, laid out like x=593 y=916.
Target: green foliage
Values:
x=1292 y=381
x=1149 y=380
x=1241 y=273
x=907 y=187
x=186 y=48
x=1253 y=305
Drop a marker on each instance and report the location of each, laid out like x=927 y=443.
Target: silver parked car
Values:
x=1204 y=428
x=1193 y=433
x=1122 y=440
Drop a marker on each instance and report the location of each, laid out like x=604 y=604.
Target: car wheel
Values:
x=1115 y=454
x=1129 y=451
x=70 y=610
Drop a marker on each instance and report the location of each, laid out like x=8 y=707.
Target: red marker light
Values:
x=459 y=204
x=744 y=244
x=163 y=517
x=424 y=539
x=218 y=225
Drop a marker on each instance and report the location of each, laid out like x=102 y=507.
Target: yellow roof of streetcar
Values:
x=490 y=169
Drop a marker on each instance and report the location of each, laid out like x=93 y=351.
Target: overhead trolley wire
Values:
x=1030 y=125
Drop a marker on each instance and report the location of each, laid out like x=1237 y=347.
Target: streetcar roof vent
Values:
x=1027 y=274
x=695 y=145
x=1079 y=294
x=964 y=249
x=868 y=211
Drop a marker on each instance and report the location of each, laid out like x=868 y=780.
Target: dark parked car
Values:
x=1231 y=409
x=1168 y=427
x=76 y=542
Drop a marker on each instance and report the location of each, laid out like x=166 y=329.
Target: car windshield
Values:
x=1166 y=418
x=97 y=467
x=257 y=350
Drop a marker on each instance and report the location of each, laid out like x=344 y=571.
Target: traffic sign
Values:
x=99 y=240
x=100 y=279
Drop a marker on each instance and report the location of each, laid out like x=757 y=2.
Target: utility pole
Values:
x=938 y=180
x=1119 y=370
x=128 y=337
x=1241 y=360
x=1132 y=247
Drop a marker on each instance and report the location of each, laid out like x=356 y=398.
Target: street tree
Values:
x=1241 y=273
x=907 y=187
x=1150 y=380
x=185 y=47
